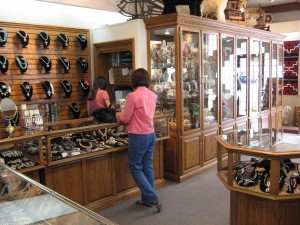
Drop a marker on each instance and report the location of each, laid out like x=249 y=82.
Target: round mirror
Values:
x=8 y=108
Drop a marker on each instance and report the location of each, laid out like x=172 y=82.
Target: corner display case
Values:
x=24 y=201
x=262 y=174
x=212 y=77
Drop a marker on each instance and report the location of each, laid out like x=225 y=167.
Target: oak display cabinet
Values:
x=212 y=77
x=261 y=172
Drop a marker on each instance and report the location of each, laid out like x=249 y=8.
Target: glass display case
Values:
x=24 y=201
x=265 y=76
x=228 y=78
x=242 y=77
x=254 y=76
x=274 y=74
x=210 y=55
x=280 y=75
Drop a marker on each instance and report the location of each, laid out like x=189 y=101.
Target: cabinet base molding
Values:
x=251 y=210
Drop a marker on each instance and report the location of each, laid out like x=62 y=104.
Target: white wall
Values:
x=38 y=12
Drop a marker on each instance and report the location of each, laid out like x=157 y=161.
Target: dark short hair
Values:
x=140 y=78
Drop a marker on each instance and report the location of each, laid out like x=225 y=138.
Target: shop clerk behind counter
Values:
x=139 y=113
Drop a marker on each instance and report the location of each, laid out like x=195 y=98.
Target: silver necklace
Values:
x=81 y=38
x=4 y=38
x=84 y=85
x=64 y=40
x=74 y=108
x=83 y=63
x=27 y=89
x=49 y=91
x=65 y=84
x=47 y=63
x=46 y=39
x=3 y=63
x=23 y=65
x=23 y=36
x=65 y=62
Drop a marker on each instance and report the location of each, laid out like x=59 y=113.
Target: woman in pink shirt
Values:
x=99 y=102
x=138 y=114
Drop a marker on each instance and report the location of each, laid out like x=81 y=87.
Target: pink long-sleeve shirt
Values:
x=139 y=111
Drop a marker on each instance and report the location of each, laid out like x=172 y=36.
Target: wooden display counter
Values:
x=263 y=202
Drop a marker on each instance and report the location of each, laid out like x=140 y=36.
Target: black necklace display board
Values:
x=3 y=37
x=46 y=63
x=22 y=63
x=45 y=39
x=83 y=64
x=39 y=65
x=85 y=85
x=82 y=40
x=67 y=86
x=64 y=40
x=27 y=90
x=23 y=37
x=65 y=63
x=48 y=88
x=75 y=109
x=4 y=90
x=4 y=64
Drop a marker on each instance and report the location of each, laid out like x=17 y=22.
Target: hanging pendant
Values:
x=49 y=93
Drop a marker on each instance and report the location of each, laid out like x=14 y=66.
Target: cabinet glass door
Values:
x=162 y=64
x=190 y=78
x=265 y=76
x=254 y=76
x=227 y=78
x=242 y=77
x=274 y=74
x=210 y=78
x=280 y=75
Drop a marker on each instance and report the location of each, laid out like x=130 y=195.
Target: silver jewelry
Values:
x=65 y=40
x=49 y=88
x=46 y=39
x=65 y=62
x=4 y=38
x=83 y=84
x=81 y=38
x=22 y=62
x=27 y=89
x=3 y=63
x=103 y=135
x=66 y=84
x=47 y=63
x=23 y=36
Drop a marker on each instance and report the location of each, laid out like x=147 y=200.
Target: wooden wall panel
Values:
x=36 y=74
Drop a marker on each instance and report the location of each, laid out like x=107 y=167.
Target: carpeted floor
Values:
x=202 y=200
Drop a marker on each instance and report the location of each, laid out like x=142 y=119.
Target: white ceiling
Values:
x=111 y=5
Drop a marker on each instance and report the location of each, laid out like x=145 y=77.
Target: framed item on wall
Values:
x=115 y=59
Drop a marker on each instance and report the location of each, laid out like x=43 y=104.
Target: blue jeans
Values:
x=140 y=154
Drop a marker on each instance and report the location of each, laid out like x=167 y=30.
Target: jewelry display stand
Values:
x=23 y=37
x=65 y=63
x=82 y=40
x=64 y=40
x=4 y=90
x=46 y=63
x=3 y=37
x=22 y=63
x=75 y=108
x=83 y=64
x=85 y=85
x=67 y=88
x=27 y=90
x=3 y=64
x=45 y=38
x=48 y=88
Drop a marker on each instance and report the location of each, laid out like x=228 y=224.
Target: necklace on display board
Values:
x=45 y=39
x=22 y=62
x=82 y=40
x=44 y=58
x=65 y=40
x=24 y=35
x=3 y=63
x=83 y=64
x=67 y=86
x=27 y=89
x=49 y=88
x=65 y=62
x=3 y=37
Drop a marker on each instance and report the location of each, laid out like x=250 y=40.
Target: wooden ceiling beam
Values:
x=281 y=8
